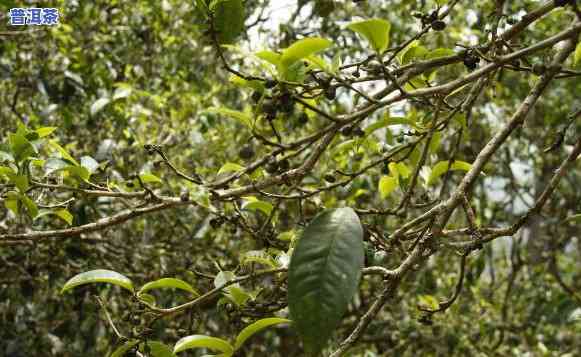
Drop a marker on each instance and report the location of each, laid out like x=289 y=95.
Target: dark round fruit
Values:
x=346 y=131
x=270 y=83
x=356 y=74
x=283 y=165
x=286 y=103
x=303 y=118
x=216 y=222
x=357 y=131
x=331 y=93
x=247 y=152
x=539 y=69
x=511 y=20
x=271 y=116
x=185 y=196
x=256 y=96
x=438 y=25
x=330 y=178
x=471 y=62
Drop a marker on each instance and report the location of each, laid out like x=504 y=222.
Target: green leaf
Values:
x=31 y=207
x=270 y=57
x=403 y=170
x=324 y=274
x=303 y=48
x=168 y=283
x=21 y=147
x=149 y=178
x=89 y=163
x=235 y=114
x=98 y=105
x=230 y=167
x=124 y=348
x=79 y=172
x=376 y=31
x=258 y=256
x=64 y=153
x=45 y=131
x=441 y=167
x=386 y=186
x=20 y=181
x=255 y=327
x=11 y=202
x=62 y=213
x=577 y=57
x=157 y=349
x=254 y=206
x=98 y=276
x=228 y=20
x=203 y=341
x=223 y=277
x=123 y=91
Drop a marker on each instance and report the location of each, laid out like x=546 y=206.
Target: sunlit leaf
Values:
x=168 y=283
x=441 y=167
x=255 y=327
x=98 y=276
x=303 y=48
x=149 y=178
x=386 y=186
x=376 y=31
x=203 y=341
x=235 y=114
x=254 y=206
x=98 y=105
x=230 y=167
x=45 y=131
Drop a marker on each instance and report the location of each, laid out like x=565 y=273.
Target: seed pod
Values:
x=438 y=25
x=283 y=165
x=356 y=74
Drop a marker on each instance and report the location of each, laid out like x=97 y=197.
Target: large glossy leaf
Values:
x=168 y=283
x=441 y=167
x=303 y=48
x=203 y=341
x=98 y=276
x=324 y=273
x=228 y=20
x=255 y=327
x=376 y=31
